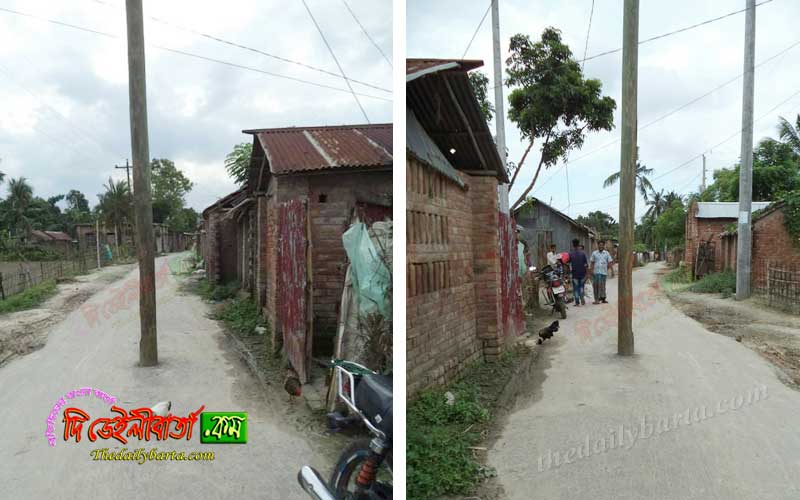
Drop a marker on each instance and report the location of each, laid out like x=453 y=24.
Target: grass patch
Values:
x=724 y=282
x=217 y=293
x=28 y=299
x=677 y=276
x=241 y=316
x=439 y=435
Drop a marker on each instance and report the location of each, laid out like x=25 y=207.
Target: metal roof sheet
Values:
x=300 y=149
x=416 y=68
x=422 y=146
x=51 y=235
x=724 y=209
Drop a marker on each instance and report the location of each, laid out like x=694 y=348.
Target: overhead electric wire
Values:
x=700 y=155
x=251 y=49
x=333 y=55
x=364 y=30
x=190 y=54
x=681 y=30
x=667 y=115
x=477 y=29
x=588 y=30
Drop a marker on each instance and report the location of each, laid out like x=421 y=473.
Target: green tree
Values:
x=789 y=134
x=480 y=87
x=170 y=188
x=551 y=100
x=237 y=163
x=669 y=228
x=776 y=172
x=602 y=222
x=20 y=196
x=642 y=182
x=185 y=221
x=77 y=208
x=116 y=207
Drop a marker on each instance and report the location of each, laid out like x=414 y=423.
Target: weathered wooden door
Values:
x=292 y=284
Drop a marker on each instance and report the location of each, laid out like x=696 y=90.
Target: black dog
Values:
x=547 y=332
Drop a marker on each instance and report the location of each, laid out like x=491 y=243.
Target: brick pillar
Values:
x=486 y=265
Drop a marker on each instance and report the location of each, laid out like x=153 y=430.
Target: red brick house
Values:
x=772 y=246
x=705 y=222
x=281 y=235
x=462 y=294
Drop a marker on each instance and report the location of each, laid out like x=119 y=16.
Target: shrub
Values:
x=218 y=293
x=242 y=316
x=715 y=283
x=677 y=276
x=28 y=299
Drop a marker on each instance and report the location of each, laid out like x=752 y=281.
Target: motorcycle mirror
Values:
x=532 y=268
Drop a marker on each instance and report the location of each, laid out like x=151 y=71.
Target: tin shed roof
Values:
x=724 y=209
x=51 y=235
x=301 y=149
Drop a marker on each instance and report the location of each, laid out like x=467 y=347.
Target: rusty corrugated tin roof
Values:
x=300 y=149
x=418 y=67
x=51 y=235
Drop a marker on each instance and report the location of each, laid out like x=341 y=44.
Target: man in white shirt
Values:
x=552 y=256
x=600 y=262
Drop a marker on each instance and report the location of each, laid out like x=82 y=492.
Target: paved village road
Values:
x=195 y=369
x=583 y=395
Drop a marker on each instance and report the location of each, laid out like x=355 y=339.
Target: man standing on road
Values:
x=600 y=261
x=579 y=265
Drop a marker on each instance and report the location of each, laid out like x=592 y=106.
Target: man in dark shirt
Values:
x=579 y=264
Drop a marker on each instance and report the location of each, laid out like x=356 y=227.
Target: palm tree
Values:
x=657 y=204
x=115 y=205
x=20 y=195
x=642 y=182
x=790 y=134
x=671 y=198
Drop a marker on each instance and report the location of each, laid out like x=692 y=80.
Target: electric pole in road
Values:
x=703 y=185
x=143 y=203
x=499 y=116
x=627 y=185
x=743 y=245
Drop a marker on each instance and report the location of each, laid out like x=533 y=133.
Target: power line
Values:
x=333 y=55
x=681 y=30
x=477 y=29
x=700 y=155
x=251 y=49
x=366 y=33
x=190 y=54
x=668 y=114
x=588 y=30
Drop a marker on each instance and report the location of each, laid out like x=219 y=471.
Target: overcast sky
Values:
x=672 y=72
x=64 y=119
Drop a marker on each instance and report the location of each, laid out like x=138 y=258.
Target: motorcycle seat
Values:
x=374 y=399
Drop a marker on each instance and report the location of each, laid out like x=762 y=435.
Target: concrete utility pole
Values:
x=500 y=115
x=627 y=185
x=703 y=185
x=143 y=203
x=97 y=241
x=743 y=245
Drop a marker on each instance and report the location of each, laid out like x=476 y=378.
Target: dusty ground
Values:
x=773 y=334
x=25 y=331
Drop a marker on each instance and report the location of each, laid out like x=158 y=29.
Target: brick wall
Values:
x=772 y=247
x=441 y=326
x=699 y=230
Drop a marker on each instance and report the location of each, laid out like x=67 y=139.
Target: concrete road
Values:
x=195 y=369
x=693 y=415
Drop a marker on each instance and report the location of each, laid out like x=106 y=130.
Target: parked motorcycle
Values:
x=364 y=469
x=555 y=293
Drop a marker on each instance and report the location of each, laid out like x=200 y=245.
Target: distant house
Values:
x=55 y=240
x=463 y=288
x=281 y=235
x=543 y=225
x=705 y=222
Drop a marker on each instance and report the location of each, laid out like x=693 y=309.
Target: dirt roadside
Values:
x=773 y=334
x=23 y=332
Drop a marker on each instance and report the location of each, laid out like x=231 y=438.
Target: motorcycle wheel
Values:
x=345 y=472
x=562 y=308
